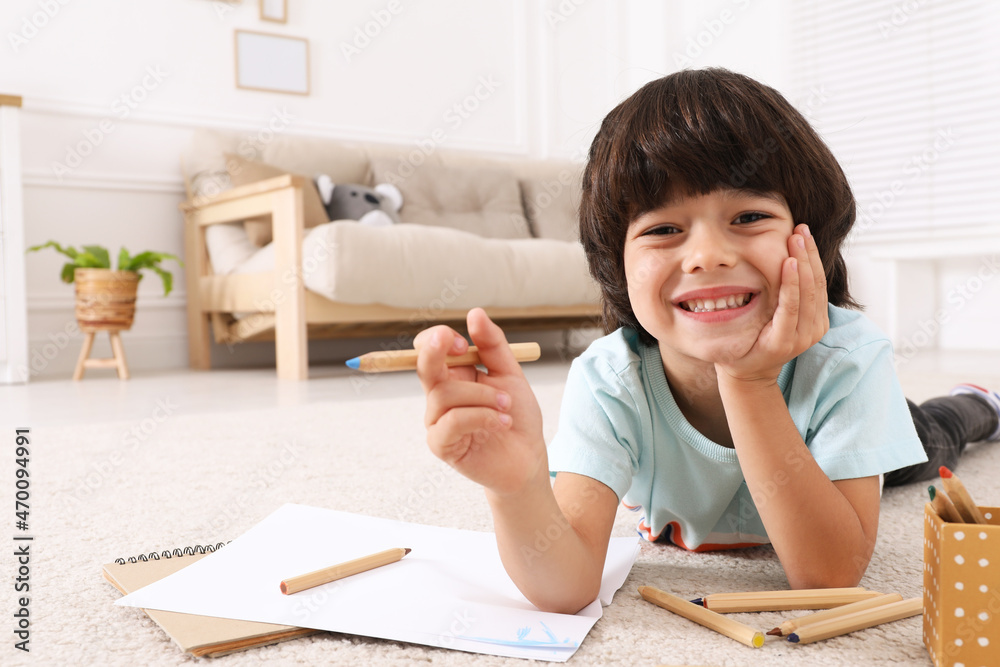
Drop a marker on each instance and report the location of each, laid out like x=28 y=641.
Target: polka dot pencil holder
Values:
x=962 y=590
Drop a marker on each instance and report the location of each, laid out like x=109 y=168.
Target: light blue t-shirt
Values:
x=620 y=425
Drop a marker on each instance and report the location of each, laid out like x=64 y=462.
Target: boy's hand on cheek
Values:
x=800 y=319
x=486 y=425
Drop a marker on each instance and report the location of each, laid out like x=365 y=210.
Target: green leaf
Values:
x=149 y=259
x=101 y=254
x=87 y=260
x=168 y=279
x=69 y=251
x=123 y=259
x=68 y=270
x=143 y=260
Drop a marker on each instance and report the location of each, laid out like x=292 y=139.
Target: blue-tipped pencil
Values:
x=406 y=360
x=860 y=620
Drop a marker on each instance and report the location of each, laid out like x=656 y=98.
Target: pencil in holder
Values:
x=962 y=589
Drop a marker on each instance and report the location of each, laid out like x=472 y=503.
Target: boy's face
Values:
x=704 y=271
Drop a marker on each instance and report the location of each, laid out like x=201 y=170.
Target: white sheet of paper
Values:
x=451 y=591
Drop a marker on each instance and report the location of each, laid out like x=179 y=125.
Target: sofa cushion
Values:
x=434 y=268
x=343 y=163
x=551 y=192
x=484 y=201
x=243 y=171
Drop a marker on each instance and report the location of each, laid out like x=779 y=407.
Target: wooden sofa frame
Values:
x=283 y=310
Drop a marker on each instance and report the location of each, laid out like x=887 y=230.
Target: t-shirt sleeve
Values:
x=861 y=425
x=599 y=426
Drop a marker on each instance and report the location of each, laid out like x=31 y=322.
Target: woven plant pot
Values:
x=105 y=299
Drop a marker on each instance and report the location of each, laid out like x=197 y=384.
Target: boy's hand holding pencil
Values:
x=487 y=425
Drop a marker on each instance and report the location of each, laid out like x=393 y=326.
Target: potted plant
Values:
x=105 y=298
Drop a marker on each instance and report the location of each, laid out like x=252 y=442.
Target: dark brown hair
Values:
x=694 y=132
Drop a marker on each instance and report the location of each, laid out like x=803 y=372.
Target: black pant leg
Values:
x=945 y=425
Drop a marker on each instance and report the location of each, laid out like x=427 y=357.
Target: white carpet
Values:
x=100 y=492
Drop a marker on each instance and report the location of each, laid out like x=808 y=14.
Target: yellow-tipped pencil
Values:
x=943 y=506
x=791 y=625
x=711 y=620
x=803 y=598
x=333 y=573
x=860 y=620
x=406 y=360
x=960 y=496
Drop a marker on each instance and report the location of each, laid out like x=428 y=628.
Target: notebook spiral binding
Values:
x=186 y=551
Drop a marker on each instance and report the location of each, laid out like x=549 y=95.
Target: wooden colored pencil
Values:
x=959 y=495
x=806 y=598
x=406 y=360
x=860 y=620
x=711 y=620
x=943 y=506
x=333 y=573
x=794 y=624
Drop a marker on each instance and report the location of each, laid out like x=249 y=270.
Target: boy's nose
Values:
x=707 y=248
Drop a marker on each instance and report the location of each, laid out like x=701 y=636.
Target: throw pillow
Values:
x=243 y=171
x=552 y=203
x=483 y=201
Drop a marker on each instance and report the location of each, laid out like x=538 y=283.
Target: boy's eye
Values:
x=753 y=216
x=660 y=231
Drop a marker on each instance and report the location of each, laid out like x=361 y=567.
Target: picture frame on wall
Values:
x=274 y=10
x=272 y=63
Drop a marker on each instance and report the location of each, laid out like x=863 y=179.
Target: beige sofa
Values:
x=476 y=231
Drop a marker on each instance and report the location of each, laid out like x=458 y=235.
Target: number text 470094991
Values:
x=22 y=539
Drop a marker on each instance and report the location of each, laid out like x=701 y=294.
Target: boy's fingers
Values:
x=427 y=334
x=815 y=261
x=494 y=351
x=434 y=345
x=431 y=368
x=821 y=317
x=447 y=396
x=786 y=316
x=807 y=285
x=461 y=428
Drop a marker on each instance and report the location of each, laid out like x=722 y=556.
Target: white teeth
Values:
x=711 y=305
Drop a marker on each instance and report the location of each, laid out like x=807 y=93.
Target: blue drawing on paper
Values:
x=526 y=637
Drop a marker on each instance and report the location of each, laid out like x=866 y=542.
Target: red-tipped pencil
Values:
x=959 y=495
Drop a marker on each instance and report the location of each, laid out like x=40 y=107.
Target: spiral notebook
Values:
x=202 y=636
x=451 y=592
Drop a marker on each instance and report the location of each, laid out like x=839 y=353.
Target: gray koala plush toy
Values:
x=376 y=207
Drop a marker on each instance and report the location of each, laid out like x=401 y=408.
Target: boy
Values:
x=735 y=398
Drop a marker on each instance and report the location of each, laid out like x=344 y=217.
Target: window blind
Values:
x=906 y=93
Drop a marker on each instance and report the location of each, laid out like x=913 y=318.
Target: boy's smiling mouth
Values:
x=716 y=304
x=711 y=305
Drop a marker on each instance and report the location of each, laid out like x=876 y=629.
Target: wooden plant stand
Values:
x=116 y=361
x=105 y=301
